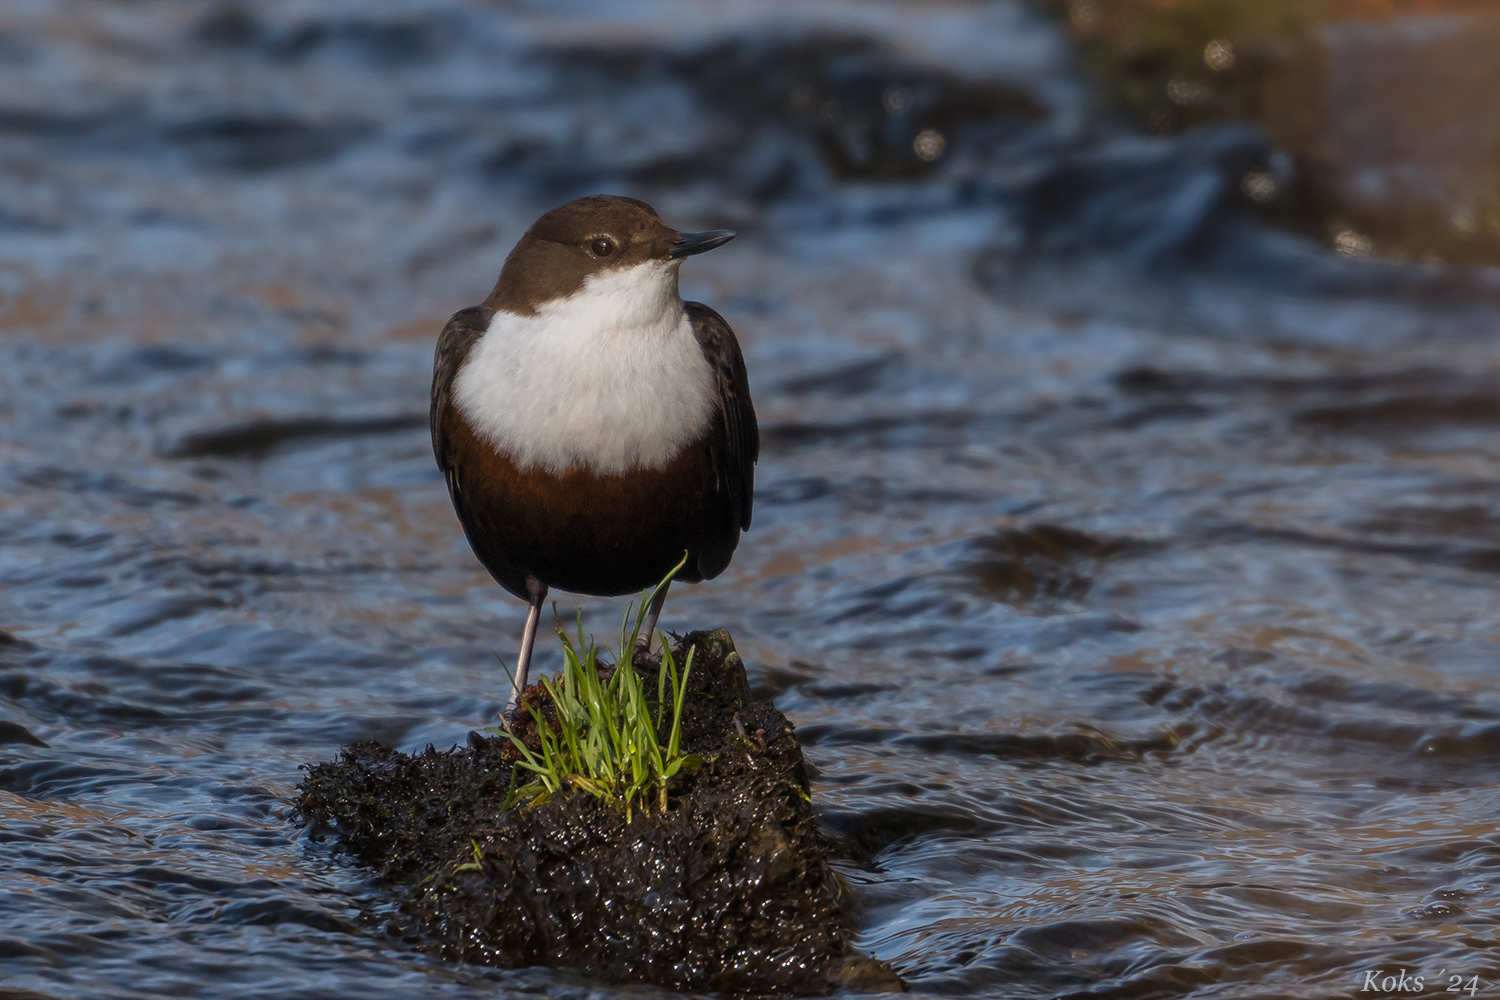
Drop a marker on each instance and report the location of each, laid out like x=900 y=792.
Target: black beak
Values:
x=688 y=244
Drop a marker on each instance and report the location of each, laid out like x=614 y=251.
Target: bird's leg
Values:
x=538 y=591
x=655 y=612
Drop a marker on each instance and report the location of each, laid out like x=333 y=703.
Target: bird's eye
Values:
x=602 y=247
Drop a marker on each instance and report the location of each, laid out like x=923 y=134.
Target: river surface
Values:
x=1128 y=566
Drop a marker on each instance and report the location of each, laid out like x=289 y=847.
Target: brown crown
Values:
x=563 y=247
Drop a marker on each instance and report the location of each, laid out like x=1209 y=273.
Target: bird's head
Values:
x=593 y=241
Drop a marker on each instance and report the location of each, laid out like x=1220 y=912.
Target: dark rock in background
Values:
x=1388 y=125
x=1398 y=126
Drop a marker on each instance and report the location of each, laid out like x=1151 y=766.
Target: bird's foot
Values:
x=647 y=654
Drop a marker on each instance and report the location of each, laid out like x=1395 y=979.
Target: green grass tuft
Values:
x=607 y=738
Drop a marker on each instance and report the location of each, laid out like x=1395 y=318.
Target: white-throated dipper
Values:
x=592 y=426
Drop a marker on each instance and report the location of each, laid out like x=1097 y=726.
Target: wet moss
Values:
x=727 y=890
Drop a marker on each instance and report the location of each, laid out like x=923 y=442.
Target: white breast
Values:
x=610 y=377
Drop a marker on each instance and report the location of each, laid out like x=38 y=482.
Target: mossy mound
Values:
x=728 y=890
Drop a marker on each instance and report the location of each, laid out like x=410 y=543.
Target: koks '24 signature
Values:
x=1403 y=981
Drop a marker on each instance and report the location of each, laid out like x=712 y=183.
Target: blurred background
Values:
x=1127 y=523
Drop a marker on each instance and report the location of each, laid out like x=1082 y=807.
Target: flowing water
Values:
x=1128 y=566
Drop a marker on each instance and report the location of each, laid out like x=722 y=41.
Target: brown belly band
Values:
x=605 y=535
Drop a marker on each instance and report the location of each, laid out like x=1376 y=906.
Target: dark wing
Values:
x=738 y=445
x=453 y=344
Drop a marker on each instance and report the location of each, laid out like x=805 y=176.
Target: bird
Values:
x=594 y=429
